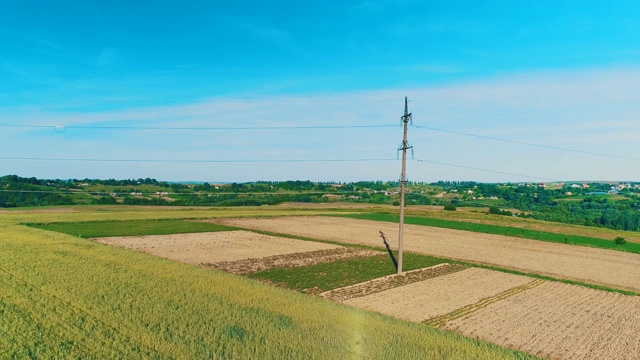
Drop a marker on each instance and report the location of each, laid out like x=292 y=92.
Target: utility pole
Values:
x=405 y=145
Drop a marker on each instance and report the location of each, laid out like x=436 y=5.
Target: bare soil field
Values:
x=560 y=321
x=253 y=265
x=390 y=282
x=438 y=296
x=591 y=265
x=215 y=246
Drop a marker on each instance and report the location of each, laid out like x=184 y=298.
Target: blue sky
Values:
x=556 y=74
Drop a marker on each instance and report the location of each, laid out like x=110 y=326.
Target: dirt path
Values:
x=426 y=299
x=597 y=266
x=215 y=246
x=560 y=321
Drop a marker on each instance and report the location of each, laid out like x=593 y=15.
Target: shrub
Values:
x=497 y=211
x=619 y=241
x=450 y=207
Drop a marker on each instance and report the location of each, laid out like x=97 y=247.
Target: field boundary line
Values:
x=390 y=282
x=440 y=321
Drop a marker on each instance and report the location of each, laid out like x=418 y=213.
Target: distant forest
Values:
x=611 y=205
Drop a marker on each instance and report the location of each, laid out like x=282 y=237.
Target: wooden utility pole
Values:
x=405 y=145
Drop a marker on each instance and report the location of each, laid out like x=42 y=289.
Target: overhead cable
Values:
x=195 y=161
x=63 y=128
x=482 y=112
x=527 y=143
x=485 y=170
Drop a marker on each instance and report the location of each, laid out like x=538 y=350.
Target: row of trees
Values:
x=554 y=204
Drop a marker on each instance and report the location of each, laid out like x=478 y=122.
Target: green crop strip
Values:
x=131 y=228
x=337 y=274
x=501 y=230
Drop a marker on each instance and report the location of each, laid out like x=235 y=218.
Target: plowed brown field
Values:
x=440 y=295
x=213 y=247
x=597 y=266
x=560 y=321
x=287 y=261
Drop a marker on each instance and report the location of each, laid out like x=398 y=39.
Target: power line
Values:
x=195 y=161
x=485 y=170
x=162 y=193
x=190 y=102
x=482 y=112
x=63 y=128
x=527 y=143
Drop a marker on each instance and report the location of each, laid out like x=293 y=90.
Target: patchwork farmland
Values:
x=560 y=318
x=338 y=259
x=62 y=296
x=473 y=301
x=615 y=269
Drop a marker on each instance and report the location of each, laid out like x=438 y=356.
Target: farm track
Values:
x=610 y=268
x=467 y=310
x=253 y=265
x=390 y=282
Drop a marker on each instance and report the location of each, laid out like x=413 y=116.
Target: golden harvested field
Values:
x=591 y=265
x=560 y=321
x=440 y=295
x=213 y=247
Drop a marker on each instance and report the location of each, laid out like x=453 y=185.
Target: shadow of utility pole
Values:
x=393 y=258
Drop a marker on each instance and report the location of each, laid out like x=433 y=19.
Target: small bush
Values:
x=450 y=207
x=619 y=241
x=497 y=211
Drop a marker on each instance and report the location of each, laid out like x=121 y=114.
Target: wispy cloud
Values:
x=47 y=44
x=107 y=57
x=593 y=110
x=29 y=73
x=370 y=6
x=439 y=68
x=260 y=32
